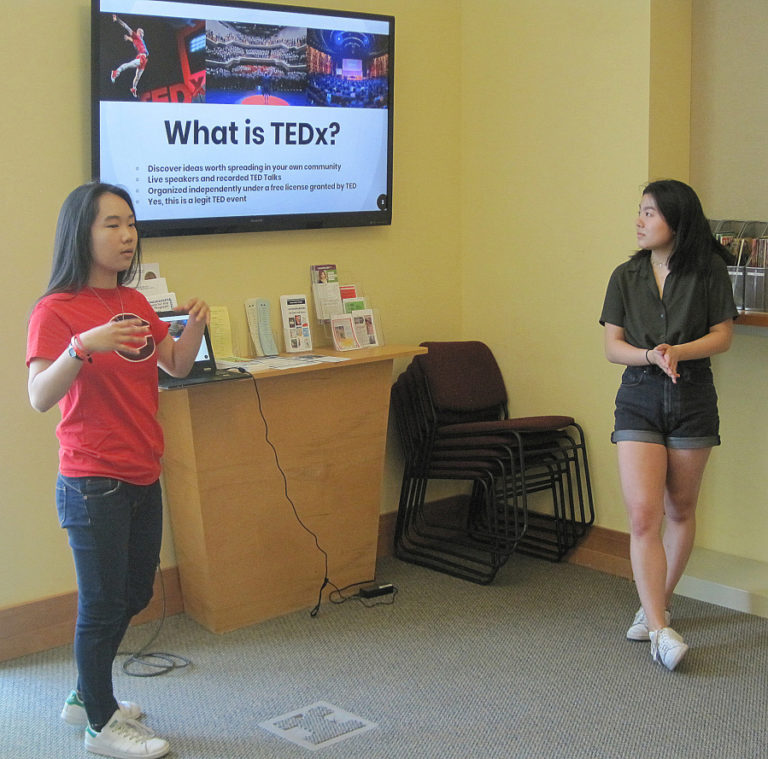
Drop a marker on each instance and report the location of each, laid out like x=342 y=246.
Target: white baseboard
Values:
x=730 y=581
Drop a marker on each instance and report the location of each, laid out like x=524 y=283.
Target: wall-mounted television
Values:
x=229 y=116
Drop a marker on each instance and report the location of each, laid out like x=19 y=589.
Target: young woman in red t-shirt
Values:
x=93 y=348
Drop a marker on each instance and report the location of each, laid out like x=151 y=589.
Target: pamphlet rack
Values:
x=748 y=242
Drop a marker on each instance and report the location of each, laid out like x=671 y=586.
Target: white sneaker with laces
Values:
x=638 y=630
x=125 y=739
x=74 y=713
x=667 y=647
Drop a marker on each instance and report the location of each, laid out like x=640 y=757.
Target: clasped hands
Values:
x=666 y=357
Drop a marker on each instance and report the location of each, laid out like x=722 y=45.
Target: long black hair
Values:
x=72 y=254
x=694 y=241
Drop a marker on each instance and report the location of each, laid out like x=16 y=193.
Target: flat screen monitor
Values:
x=228 y=116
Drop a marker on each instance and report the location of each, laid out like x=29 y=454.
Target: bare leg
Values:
x=125 y=66
x=643 y=474
x=684 y=474
x=139 y=72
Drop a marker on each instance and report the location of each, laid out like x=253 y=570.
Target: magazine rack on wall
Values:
x=748 y=243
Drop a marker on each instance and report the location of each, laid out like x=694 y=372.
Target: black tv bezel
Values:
x=251 y=222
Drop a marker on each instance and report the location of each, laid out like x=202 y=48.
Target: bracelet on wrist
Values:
x=647 y=360
x=76 y=346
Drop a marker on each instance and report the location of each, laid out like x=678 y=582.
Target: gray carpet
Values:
x=535 y=665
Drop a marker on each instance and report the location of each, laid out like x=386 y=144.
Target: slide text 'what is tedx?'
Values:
x=283 y=133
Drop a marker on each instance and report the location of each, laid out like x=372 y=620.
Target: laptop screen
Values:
x=204 y=361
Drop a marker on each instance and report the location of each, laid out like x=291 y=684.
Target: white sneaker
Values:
x=667 y=647
x=638 y=630
x=125 y=739
x=74 y=713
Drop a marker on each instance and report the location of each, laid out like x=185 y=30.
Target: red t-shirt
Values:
x=139 y=44
x=108 y=422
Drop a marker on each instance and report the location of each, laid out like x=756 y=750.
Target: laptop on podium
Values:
x=204 y=369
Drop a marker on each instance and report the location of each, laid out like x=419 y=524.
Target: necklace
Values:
x=104 y=303
x=658 y=263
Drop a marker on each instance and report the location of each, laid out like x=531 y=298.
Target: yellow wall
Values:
x=522 y=138
x=729 y=155
x=729 y=108
x=556 y=149
x=670 y=103
x=597 y=99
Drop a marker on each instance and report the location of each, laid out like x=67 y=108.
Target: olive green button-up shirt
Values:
x=692 y=303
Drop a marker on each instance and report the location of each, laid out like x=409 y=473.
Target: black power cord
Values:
x=366 y=593
x=326 y=581
x=160 y=662
x=340 y=597
x=155 y=662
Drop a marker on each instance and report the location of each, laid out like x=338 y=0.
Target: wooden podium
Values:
x=242 y=552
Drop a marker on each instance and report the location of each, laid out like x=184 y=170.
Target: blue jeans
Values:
x=115 y=530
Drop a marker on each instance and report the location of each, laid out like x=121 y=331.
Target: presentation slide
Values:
x=216 y=111
x=227 y=158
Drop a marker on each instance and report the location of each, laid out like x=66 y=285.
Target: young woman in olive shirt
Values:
x=666 y=311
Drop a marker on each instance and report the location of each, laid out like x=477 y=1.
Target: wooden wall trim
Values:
x=50 y=622
x=605 y=550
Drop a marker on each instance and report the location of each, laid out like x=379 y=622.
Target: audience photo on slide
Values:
x=256 y=64
x=347 y=69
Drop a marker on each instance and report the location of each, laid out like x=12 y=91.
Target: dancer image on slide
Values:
x=142 y=54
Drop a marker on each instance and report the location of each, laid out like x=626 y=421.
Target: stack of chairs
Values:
x=452 y=543
x=450 y=408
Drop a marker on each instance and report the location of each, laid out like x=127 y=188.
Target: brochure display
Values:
x=365 y=327
x=325 y=291
x=343 y=331
x=344 y=309
x=148 y=281
x=354 y=304
x=295 y=316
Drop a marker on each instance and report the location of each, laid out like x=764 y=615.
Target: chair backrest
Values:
x=413 y=412
x=464 y=380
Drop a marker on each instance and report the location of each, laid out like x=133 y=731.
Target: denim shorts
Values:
x=650 y=408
